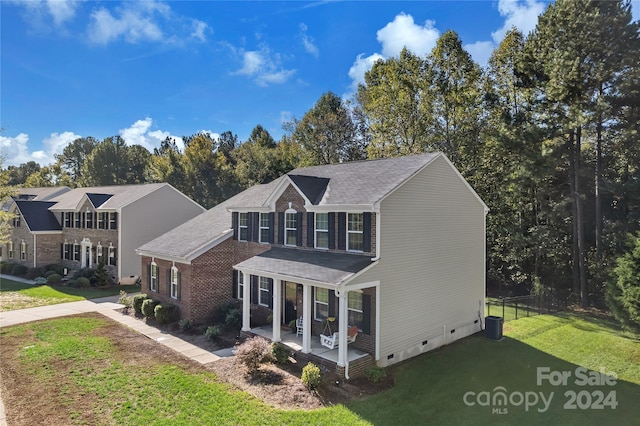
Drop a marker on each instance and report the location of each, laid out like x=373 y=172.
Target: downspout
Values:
x=34 y=251
x=338 y=292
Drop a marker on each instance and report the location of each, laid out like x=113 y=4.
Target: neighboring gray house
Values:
x=388 y=252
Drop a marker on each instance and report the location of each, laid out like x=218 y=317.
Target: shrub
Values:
x=149 y=308
x=40 y=280
x=101 y=276
x=58 y=269
x=164 y=312
x=253 y=352
x=213 y=332
x=185 y=324
x=233 y=319
x=125 y=299
x=72 y=283
x=19 y=269
x=49 y=273
x=6 y=267
x=54 y=279
x=137 y=302
x=280 y=352
x=83 y=282
x=292 y=324
x=311 y=376
x=34 y=272
x=375 y=374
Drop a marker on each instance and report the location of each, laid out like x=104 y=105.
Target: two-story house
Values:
x=393 y=249
x=84 y=227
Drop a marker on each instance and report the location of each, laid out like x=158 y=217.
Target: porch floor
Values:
x=290 y=339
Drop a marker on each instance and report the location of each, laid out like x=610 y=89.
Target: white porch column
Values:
x=246 y=306
x=342 y=328
x=277 y=309
x=306 y=316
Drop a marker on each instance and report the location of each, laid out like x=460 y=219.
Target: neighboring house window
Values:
x=355 y=309
x=77 y=223
x=76 y=251
x=290 y=228
x=65 y=251
x=243 y=229
x=67 y=219
x=23 y=250
x=10 y=249
x=264 y=291
x=99 y=253
x=322 y=230
x=88 y=220
x=355 y=239
x=112 y=256
x=264 y=227
x=321 y=304
x=16 y=221
x=174 y=282
x=113 y=220
x=101 y=220
x=240 y=285
x=153 y=277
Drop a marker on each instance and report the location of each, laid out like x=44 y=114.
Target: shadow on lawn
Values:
x=450 y=386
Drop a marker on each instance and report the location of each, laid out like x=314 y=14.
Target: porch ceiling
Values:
x=307 y=265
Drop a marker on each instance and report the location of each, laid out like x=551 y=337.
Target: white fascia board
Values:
x=245 y=209
x=81 y=201
x=209 y=245
x=346 y=208
x=162 y=256
x=284 y=277
x=357 y=274
x=46 y=232
x=377 y=203
x=306 y=200
x=282 y=186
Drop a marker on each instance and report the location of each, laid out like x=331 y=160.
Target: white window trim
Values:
x=114 y=221
x=316 y=302
x=10 y=249
x=100 y=220
x=67 y=220
x=261 y=281
x=77 y=220
x=86 y=220
x=286 y=229
x=245 y=226
x=360 y=311
x=23 y=250
x=266 y=215
x=111 y=254
x=153 y=281
x=174 y=282
x=73 y=255
x=99 y=253
x=240 y=285
x=316 y=230
x=354 y=232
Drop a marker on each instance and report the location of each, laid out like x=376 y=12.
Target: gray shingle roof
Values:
x=37 y=216
x=323 y=267
x=121 y=195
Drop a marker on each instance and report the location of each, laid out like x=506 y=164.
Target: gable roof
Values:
x=98 y=199
x=36 y=194
x=118 y=196
x=37 y=215
x=311 y=186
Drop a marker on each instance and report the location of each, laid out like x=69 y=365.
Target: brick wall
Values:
x=17 y=236
x=163 y=288
x=48 y=249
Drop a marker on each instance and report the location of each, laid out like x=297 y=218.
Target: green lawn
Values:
x=17 y=295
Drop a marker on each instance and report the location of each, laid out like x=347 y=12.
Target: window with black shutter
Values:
x=310 y=229
x=342 y=231
x=280 y=227
x=331 y=226
x=271 y=227
x=299 y=219
x=234 y=224
x=366 y=235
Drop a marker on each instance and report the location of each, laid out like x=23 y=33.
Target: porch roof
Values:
x=306 y=265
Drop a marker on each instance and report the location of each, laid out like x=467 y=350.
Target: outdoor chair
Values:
x=332 y=341
x=299 y=327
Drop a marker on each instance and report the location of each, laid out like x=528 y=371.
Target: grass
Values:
x=431 y=388
x=17 y=295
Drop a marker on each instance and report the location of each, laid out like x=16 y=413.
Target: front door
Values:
x=292 y=297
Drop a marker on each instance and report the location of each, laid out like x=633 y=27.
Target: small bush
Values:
x=149 y=308
x=19 y=270
x=280 y=352
x=40 y=280
x=72 y=284
x=6 y=268
x=34 y=273
x=54 y=279
x=185 y=324
x=137 y=302
x=58 y=269
x=311 y=376
x=375 y=374
x=213 y=332
x=165 y=312
x=253 y=352
x=292 y=324
x=83 y=282
x=233 y=319
x=125 y=299
x=49 y=273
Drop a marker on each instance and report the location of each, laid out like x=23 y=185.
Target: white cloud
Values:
x=62 y=10
x=307 y=42
x=40 y=14
x=635 y=10
x=199 y=30
x=480 y=51
x=15 y=150
x=403 y=32
x=132 y=24
x=360 y=66
x=263 y=66
x=522 y=15
x=138 y=134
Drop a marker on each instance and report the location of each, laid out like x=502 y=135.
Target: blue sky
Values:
x=148 y=70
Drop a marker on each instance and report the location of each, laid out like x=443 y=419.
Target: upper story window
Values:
x=174 y=282
x=23 y=250
x=77 y=222
x=264 y=291
x=322 y=230
x=264 y=227
x=153 y=276
x=67 y=219
x=321 y=303
x=16 y=221
x=101 y=220
x=113 y=220
x=355 y=227
x=290 y=228
x=355 y=311
x=88 y=220
x=243 y=226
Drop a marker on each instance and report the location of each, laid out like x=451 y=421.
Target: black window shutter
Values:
x=254 y=289
x=271 y=293
x=179 y=284
x=332 y=230
x=249 y=226
x=280 y=227
x=342 y=231
x=234 y=283
x=61 y=251
x=234 y=224
x=149 y=276
x=271 y=227
x=256 y=227
x=84 y=217
x=168 y=282
x=332 y=303
x=366 y=314
x=310 y=227
x=299 y=217
x=366 y=234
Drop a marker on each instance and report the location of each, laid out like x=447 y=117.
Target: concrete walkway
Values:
x=107 y=306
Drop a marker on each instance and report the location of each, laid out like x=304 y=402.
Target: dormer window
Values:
x=355 y=228
x=243 y=226
x=290 y=227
